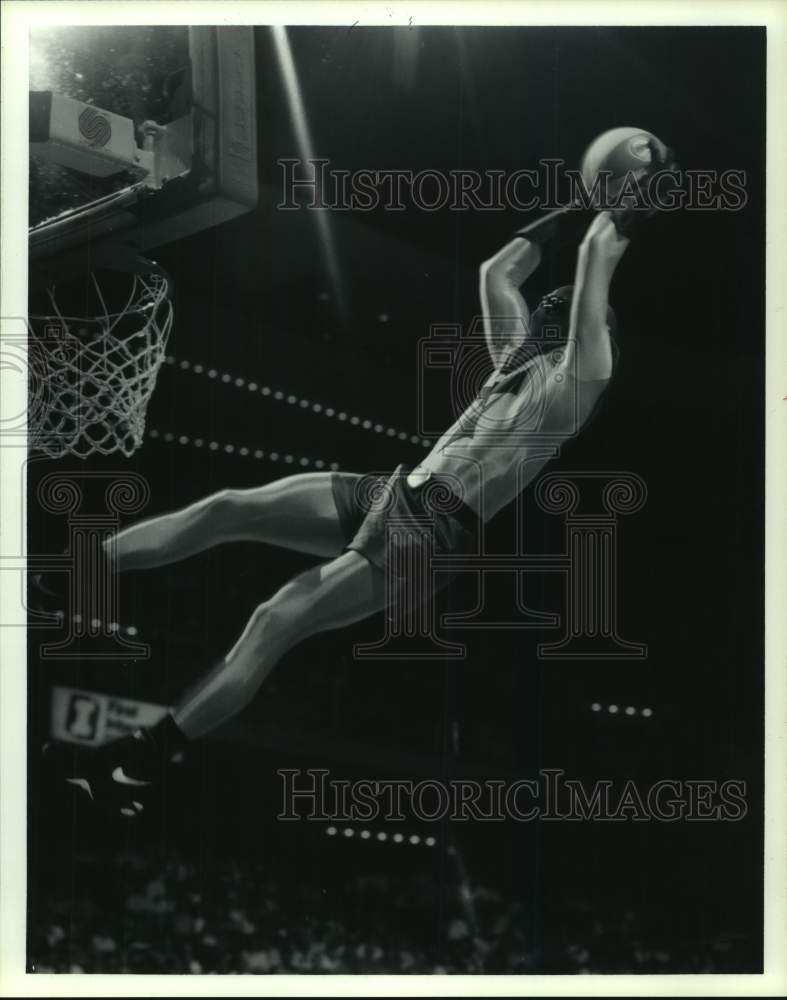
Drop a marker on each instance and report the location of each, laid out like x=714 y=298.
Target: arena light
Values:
x=630 y=710
x=97 y=623
x=227 y=378
x=242 y=450
x=381 y=836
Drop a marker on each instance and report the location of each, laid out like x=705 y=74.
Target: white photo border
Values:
x=18 y=16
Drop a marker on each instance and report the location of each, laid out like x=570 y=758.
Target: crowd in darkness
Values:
x=158 y=916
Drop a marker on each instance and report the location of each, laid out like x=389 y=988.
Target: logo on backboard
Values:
x=94 y=127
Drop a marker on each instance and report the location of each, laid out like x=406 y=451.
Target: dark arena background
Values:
x=297 y=347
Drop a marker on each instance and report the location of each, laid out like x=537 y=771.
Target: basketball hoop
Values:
x=94 y=357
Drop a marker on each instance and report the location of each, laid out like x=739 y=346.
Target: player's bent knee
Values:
x=273 y=621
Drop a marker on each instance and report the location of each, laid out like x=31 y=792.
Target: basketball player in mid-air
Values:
x=541 y=389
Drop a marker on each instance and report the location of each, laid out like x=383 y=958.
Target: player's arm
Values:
x=506 y=316
x=505 y=312
x=589 y=334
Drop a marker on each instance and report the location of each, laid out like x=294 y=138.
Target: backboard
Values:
x=178 y=103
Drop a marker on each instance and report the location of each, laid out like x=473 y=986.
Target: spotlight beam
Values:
x=306 y=152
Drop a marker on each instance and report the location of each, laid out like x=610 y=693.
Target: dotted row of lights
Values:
x=617 y=710
x=303 y=404
x=395 y=838
x=96 y=623
x=243 y=450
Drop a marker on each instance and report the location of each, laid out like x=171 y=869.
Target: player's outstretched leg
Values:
x=326 y=597
x=298 y=513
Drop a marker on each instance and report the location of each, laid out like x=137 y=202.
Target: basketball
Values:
x=618 y=152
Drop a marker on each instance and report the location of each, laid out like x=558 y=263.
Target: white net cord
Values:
x=91 y=378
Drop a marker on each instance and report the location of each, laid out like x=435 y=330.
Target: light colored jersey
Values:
x=524 y=412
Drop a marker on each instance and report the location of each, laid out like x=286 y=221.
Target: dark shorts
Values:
x=371 y=505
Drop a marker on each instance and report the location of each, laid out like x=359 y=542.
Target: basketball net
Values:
x=91 y=376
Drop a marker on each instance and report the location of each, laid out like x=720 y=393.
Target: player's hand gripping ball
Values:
x=621 y=153
x=632 y=163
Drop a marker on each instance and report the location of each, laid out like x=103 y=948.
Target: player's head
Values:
x=551 y=321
